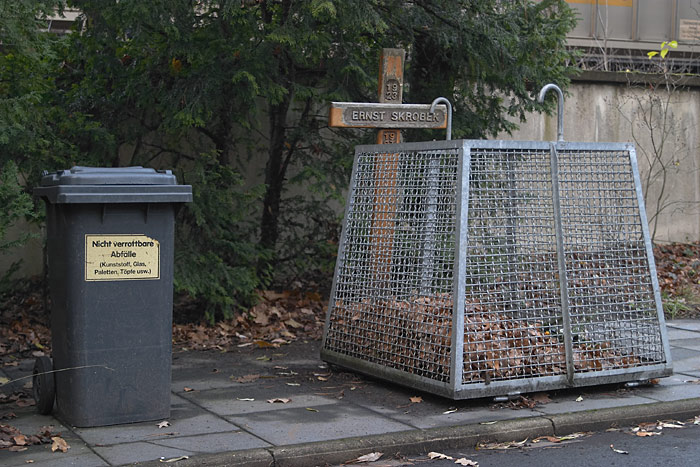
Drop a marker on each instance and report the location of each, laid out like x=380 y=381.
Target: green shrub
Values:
x=16 y=204
x=216 y=256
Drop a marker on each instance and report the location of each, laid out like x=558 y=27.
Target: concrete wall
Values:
x=664 y=128
x=30 y=257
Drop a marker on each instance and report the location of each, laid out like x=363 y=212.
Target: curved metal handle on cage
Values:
x=560 y=107
x=443 y=100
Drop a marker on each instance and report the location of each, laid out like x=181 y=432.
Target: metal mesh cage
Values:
x=474 y=268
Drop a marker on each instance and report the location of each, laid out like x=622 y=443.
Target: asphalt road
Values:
x=673 y=447
x=622 y=448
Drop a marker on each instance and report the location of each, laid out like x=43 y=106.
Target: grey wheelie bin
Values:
x=110 y=254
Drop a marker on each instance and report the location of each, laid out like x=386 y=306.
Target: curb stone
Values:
x=415 y=442
x=602 y=419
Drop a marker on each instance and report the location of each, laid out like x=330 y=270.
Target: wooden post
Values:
x=385 y=193
x=389 y=115
x=391 y=88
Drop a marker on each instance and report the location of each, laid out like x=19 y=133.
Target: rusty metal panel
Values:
x=635 y=24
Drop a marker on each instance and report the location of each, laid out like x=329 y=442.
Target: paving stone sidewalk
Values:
x=284 y=406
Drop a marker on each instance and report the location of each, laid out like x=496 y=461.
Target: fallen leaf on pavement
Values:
x=551 y=439
x=250 y=399
x=508 y=445
x=673 y=424
x=416 y=399
x=174 y=459
x=247 y=378
x=439 y=455
x=541 y=398
x=371 y=457
x=164 y=424
x=311 y=409
x=642 y=434
x=59 y=444
x=279 y=400
x=467 y=462
x=644 y=426
x=578 y=434
x=619 y=451
x=449 y=411
x=525 y=403
x=186 y=389
x=293 y=384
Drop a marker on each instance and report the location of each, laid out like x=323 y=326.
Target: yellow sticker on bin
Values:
x=121 y=257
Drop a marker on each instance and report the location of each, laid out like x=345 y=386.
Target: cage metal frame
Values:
x=456 y=387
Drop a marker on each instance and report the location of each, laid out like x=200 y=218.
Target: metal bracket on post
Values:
x=560 y=107
x=444 y=100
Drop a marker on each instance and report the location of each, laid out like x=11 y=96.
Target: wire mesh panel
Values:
x=513 y=310
x=614 y=317
x=394 y=279
x=474 y=268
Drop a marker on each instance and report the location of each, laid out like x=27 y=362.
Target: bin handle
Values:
x=560 y=107
x=443 y=100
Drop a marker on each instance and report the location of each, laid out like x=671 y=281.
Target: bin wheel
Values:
x=43 y=385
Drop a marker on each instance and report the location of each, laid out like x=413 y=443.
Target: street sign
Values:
x=395 y=116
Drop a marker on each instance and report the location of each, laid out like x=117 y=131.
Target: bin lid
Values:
x=135 y=175
x=80 y=185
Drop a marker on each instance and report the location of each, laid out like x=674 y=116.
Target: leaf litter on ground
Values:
x=524 y=402
x=499 y=446
x=677 y=267
x=646 y=429
x=13 y=439
x=278 y=319
x=559 y=439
